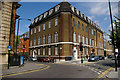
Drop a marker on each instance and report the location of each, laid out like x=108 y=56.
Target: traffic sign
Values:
x=9 y=47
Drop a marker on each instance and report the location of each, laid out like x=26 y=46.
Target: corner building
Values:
x=59 y=31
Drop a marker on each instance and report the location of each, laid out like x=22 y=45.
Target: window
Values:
x=49 y=24
x=79 y=51
x=40 y=17
x=56 y=22
x=34 y=41
x=43 y=51
x=78 y=24
x=72 y=8
x=90 y=41
x=34 y=30
x=86 y=40
x=95 y=43
x=74 y=37
x=36 y=19
x=39 y=28
x=83 y=27
x=50 y=11
x=31 y=43
x=45 y=14
x=31 y=31
x=56 y=50
x=56 y=37
x=77 y=11
x=39 y=41
x=86 y=28
x=83 y=39
x=38 y=51
x=87 y=51
x=79 y=38
x=43 y=39
x=49 y=38
x=57 y=8
x=49 y=51
x=43 y=26
x=73 y=22
x=92 y=31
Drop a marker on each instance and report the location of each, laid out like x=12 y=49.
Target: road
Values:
x=69 y=70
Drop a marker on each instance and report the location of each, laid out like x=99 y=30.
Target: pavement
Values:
x=28 y=66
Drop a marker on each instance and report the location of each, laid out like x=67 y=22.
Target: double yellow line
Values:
x=26 y=72
x=101 y=75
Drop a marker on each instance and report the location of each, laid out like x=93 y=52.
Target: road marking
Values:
x=101 y=75
x=26 y=72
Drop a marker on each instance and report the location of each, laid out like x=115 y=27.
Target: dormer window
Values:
x=50 y=11
x=77 y=11
x=40 y=17
x=81 y=15
x=57 y=8
x=36 y=19
x=72 y=8
x=32 y=21
x=45 y=14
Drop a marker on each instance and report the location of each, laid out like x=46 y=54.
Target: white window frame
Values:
x=49 y=38
x=56 y=50
x=72 y=8
x=90 y=41
x=57 y=8
x=49 y=51
x=49 y=24
x=38 y=51
x=56 y=21
x=83 y=40
x=50 y=11
x=39 y=28
x=34 y=30
x=45 y=14
x=79 y=38
x=77 y=11
x=92 y=31
x=43 y=51
x=43 y=39
x=40 y=17
x=74 y=37
x=39 y=41
x=44 y=27
x=56 y=37
x=86 y=40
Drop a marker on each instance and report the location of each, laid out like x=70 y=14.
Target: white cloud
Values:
x=102 y=8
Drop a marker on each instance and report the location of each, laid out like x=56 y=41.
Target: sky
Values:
x=98 y=12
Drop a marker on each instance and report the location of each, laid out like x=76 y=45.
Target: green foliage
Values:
x=116 y=32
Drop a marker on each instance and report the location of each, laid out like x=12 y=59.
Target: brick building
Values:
x=58 y=32
x=23 y=40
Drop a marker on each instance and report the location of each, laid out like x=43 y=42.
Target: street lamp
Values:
x=112 y=35
x=18 y=30
x=60 y=52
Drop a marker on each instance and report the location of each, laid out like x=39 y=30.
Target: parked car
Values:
x=93 y=58
x=40 y=59
x=110 y=56
x=101 y=57
x=45 y=59
x=32 y=58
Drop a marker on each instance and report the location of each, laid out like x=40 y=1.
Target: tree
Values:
x=116 y=33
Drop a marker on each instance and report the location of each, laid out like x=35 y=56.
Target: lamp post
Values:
x=60 y=52
x=18 y=30
x=112 y=35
